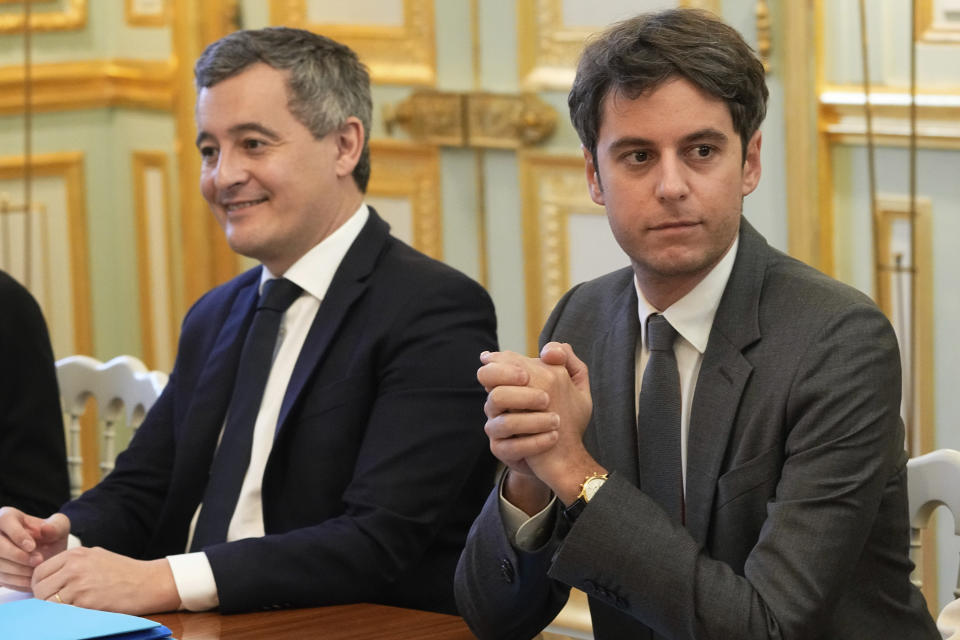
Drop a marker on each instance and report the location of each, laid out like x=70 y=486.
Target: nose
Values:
x=672 y=183
x=230 y=170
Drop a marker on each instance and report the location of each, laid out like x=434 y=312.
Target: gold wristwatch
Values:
x=588 y=488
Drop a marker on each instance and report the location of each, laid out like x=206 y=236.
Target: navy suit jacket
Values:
x=379 y=462
x=33 y=455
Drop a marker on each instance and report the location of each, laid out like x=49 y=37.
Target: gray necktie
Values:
x=658 y=421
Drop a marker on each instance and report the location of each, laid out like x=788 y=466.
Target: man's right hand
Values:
x=25 y=542
x=537 y=410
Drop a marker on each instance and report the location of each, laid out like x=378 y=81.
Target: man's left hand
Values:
x=95 y=578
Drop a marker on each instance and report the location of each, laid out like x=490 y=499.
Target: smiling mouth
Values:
x=235 y=206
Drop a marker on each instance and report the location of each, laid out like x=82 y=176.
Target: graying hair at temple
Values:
x=327 y=82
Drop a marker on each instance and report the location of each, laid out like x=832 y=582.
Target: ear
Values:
x=349 y=139
x=593 y=177
x=751 y=165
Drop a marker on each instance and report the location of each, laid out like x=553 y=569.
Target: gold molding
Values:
x=929 y=30
x=135 y=18
x=395 y=55
x=69 y=166
x=551 y=187
x=938 y=117
x=411 y=171
x=70 y=18
x=806 y=227
x=548 y=49
x=207 y=259
x=147 y=250
x=764 y=33
x=889 y=209
x=474 y=119
x=89 y=84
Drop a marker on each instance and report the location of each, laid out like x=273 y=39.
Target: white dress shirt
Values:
x=313 y=272
x=692 y=316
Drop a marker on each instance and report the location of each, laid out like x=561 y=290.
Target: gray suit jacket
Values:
x=796 y=514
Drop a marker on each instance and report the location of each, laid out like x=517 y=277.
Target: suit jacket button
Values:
x=506 y=571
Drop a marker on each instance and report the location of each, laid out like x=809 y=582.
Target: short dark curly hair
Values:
x=639 y=54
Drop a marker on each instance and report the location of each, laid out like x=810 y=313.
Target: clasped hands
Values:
x=34 y=557
x=537 y=410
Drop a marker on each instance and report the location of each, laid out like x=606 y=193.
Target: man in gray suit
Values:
x=789 y=518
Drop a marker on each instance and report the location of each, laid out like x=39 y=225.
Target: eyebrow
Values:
x=707 y=134
x=243 y=127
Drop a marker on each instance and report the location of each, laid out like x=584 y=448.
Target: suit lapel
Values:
x=348 y=284
x=723 y=376
x=613 y=372
x=208 y=407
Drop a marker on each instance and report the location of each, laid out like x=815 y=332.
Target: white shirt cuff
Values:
x=73 y=541
x=195 y=582
x=526 y=533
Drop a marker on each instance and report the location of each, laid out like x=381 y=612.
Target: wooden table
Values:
x=346 y=622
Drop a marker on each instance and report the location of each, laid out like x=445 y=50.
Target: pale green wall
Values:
x=106 y=137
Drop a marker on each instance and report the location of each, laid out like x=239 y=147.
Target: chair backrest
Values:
x=124 y=390
x=933 y=480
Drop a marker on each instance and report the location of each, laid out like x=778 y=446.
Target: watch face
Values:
x=591 y=486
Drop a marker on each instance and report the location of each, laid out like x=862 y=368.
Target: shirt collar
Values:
x=314 y=271
x=692 y=315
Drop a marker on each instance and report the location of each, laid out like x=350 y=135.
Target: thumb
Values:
x=54 y=528
x=561 y=353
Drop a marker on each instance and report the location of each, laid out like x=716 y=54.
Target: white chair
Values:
x=123 y=388
x=933 y=480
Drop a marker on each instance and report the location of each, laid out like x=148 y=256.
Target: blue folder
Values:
x=41 y=620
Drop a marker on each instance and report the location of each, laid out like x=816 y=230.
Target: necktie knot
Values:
x=278 y=294
x=660 y=333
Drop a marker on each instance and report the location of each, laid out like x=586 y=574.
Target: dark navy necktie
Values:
x=233 y=454
x=658 y=421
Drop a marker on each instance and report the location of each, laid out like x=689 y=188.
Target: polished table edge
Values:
x=337 y=622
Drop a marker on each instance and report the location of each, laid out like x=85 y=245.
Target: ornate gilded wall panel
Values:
x=565 y=234
x=146 y=13
x=405 y=189
x=158 y=318
x=936 y=25
x=89 y=84
x=402 y=54
x=71 y=15
x=843 y=119
x=54 y=267
x=548 y=48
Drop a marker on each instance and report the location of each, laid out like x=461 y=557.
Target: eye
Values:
x=703 y=151
x=208 y=152
x=252 y=144
x=638 y=157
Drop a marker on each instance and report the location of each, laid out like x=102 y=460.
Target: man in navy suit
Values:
x=365 y=465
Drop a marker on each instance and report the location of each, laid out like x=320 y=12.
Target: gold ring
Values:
x=57 y=596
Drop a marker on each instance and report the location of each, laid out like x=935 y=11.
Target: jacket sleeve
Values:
x=502 y=592
x=33 y=454
x=844 y=443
